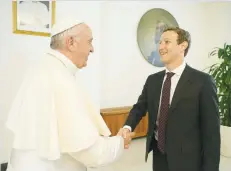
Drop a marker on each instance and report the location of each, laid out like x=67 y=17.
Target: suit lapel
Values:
x=181 y=87
x=157 y=93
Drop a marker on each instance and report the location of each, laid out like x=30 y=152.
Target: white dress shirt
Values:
x=174 y=81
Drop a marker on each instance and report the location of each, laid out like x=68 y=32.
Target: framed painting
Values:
x=33 y=17
x=150 y=27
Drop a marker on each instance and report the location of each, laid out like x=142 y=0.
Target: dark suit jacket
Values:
x=193 y=128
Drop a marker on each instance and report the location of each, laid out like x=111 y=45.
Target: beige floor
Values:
x=132 y=160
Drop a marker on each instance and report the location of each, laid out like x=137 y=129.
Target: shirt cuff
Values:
x=128 y=127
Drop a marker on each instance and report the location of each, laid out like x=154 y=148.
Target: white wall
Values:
x=117 y=61
x=19 y=51
x=126 y=69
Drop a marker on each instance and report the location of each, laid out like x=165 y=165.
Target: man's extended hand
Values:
x=127 y=135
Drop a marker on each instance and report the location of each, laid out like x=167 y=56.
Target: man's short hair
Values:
x=183 y=35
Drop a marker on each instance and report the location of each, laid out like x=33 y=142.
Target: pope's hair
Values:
x=58 y=40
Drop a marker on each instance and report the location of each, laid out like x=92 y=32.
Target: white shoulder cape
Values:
x=52 y=113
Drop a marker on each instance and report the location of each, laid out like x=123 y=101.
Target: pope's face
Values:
x=82 y=46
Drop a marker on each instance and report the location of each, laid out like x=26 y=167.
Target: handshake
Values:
x=127 y=136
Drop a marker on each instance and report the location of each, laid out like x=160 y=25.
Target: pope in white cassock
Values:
x=55 y=126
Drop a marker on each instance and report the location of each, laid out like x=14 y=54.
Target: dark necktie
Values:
x=163 y=115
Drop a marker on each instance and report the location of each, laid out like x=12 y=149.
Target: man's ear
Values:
x=184 y=45
x=69 y=42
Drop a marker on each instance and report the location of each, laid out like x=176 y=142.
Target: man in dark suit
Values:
x=182 y=107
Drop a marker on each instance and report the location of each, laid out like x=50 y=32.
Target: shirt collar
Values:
x=65 y=60
x=179 y=70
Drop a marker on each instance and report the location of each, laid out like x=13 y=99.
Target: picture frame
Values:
x=150 y=27
x=33 y=17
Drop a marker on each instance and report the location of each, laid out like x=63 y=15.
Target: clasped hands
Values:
x=127 y=136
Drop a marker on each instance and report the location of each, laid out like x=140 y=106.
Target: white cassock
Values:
x=55 y=126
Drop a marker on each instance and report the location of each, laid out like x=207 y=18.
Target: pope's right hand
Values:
x=127 y=135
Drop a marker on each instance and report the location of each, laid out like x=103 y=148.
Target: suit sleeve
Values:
x=139 y=109
x=210 y=125
x=103 y=152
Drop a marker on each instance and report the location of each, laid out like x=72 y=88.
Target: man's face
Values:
x=82 y=47
x=169 y=49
